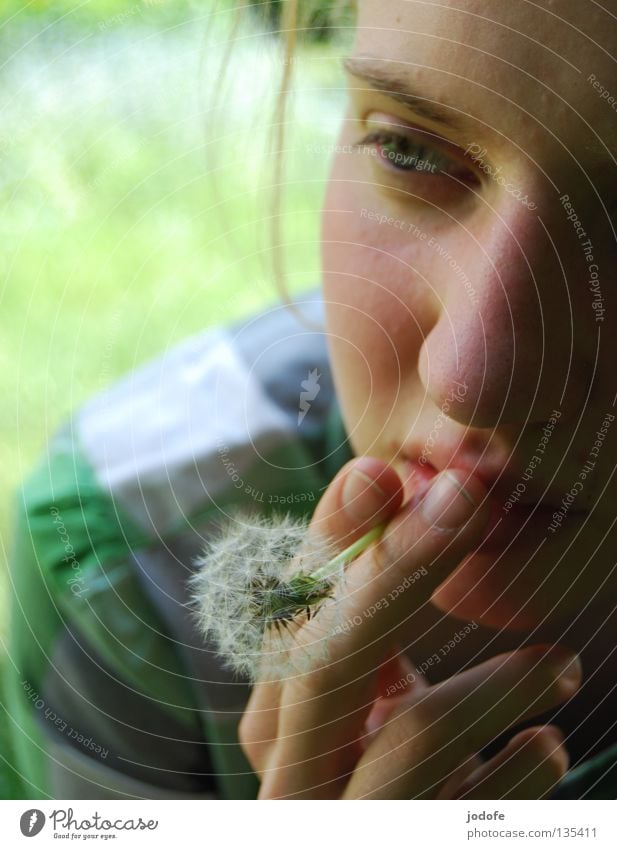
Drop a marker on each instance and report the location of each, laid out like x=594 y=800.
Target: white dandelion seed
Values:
x=257 y=580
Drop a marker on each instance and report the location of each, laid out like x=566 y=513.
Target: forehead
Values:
x=519 y=68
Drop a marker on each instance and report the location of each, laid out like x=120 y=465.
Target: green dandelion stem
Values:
x=276 y=602
x=349 y=553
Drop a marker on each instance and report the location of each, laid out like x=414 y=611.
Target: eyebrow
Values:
x=393 y=84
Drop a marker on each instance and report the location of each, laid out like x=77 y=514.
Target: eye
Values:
x=410 y=153
x=403 y=154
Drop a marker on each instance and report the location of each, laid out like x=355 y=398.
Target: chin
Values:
x=523 y=579
x=474 y=593
x=521 y=576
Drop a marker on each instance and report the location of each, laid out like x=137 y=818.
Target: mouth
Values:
x=415 y=476
x=508 y=518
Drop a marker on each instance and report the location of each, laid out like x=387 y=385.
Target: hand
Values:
x=333 y=732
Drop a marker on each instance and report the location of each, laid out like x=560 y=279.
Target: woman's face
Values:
x=469 y=260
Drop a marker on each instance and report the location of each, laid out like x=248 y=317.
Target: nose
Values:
x=518 y=335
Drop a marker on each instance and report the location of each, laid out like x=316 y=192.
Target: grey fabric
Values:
x=221 y=696
x=139 y=737
x=73 y=775
x=280 y=351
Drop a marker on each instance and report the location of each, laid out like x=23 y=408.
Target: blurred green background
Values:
x=135 y=207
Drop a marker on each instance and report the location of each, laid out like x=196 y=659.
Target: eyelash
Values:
x=421 y=158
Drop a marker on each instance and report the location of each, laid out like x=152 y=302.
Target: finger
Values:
x=257 y=730
x=397 y=674
x=456 y=779
x=324 y=712
x=426 y=741
x=398 y=573
x=529 y=767
x=385 y=586
x=398 y=680
x=365 y=492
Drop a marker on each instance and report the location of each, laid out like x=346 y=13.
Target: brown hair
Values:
x=293 y=24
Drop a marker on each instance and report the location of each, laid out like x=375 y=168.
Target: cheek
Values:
x=378 y=311
x=376 y=269
x=378 y=264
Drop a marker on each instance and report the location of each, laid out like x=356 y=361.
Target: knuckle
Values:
x=322 y=689
x=554 y=689
x=417 y=731
x=544 y=687
x=553 y=757
x=380 y=561
x=254 y=748
x=383 y=567
x=400 y=563
x=246 y=730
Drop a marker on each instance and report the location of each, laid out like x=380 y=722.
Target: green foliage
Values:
x=319 y=18
x=10 y=783
x=81 y=10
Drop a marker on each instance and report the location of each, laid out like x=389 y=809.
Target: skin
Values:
x=404 y=331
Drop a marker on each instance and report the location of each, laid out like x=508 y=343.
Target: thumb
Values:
x=365 y=492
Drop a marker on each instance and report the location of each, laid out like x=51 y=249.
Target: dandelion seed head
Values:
x=246 y=592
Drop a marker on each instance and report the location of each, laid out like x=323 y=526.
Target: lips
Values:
x=488 y=471
x=504 y=480
x=415 y=477
x=505 y=526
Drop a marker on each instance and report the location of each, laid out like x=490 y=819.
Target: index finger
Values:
x=322 y=712
x=398 y=574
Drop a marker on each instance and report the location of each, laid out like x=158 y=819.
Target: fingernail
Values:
x=362 y=495
x=567 y=667
x=447 y=505
x=554 y=732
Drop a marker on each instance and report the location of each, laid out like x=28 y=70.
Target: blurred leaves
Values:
x=95 y=9
x=319 y=18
